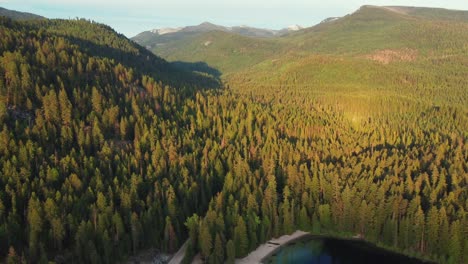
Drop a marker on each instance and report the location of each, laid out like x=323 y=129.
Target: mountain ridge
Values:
x=428 y=12
x=16 y=15
x=208 y=26
x=366 y=31
x=157 y=36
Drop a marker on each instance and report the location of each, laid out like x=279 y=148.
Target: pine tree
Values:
x=444 y=233
x=65 y=108
x=219 y=249
x=231 y=252
x=240 y=238
x=192 y=225
x=58 y=232
x=205 y=240
x=51 y=107
x=3 y=110
x=432 y=229
x=286 y=212
x=304 y=219
x=135 y=229
x=324 y=216
x=419 y=230
x=96 y=99
x=455 y=245
x=35 y=223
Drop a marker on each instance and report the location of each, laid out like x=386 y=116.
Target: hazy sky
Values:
x=133 y=16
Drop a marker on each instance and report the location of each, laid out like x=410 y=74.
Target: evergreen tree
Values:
x=240 y=238
x=219 y=249
x=231 y=252
x=205 y=240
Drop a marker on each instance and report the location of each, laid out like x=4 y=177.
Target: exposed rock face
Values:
x=387 y=56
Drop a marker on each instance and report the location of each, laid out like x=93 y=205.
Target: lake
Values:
x=320 y=250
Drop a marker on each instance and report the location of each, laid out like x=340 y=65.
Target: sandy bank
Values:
x=179 y=256
x=269 y=247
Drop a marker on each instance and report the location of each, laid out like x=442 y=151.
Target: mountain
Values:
x=210 y=40
x=241 y=30
x=18 y=15
x=381 y=41
x=222 y=50
x=366 y=32
x=162 y=31
x=428 y=13
x=161 y=36
x=371 y=28
x=204 y=27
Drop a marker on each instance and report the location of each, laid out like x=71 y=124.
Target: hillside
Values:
x=382 y=82
x=431 y=13
x=369 y=31
x=227 y=48
x=226 y=52
x=75 y=97
x=376 y=28
x=15 y=15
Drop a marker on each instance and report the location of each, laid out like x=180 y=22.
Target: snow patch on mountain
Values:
x=242 y=30
x=330 y=19
x=294 y=28
x=162 y=31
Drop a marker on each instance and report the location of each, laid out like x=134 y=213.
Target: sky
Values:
x=131 y=17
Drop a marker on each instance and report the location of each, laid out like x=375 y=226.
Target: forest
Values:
x=107 y=149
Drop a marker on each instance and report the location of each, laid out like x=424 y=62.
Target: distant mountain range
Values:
x=377 y=32
x=15 y=15
x=157 y=36
x=242 y=30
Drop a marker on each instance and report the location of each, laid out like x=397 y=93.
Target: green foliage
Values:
x=205 y=242
x=240 y=238
x=218 y=250
x=192 y=223
x=231 y=252
x=227 y=52
x=407 y=33
x=105 y=152
x=78 y=132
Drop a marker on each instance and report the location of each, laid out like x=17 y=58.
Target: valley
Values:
x=227 y=138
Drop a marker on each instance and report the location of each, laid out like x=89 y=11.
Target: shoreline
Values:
x=180 y=254
x=271 y=246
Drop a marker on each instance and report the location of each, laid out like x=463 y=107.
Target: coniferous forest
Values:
x=107 y=149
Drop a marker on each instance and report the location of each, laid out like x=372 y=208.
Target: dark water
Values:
x=315 y=250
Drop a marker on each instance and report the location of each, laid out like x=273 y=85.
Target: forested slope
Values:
x=357 y=125
x=375 y=28
x=224 y=51
x=409 y=33
x=15 y=15
x=83 y=114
